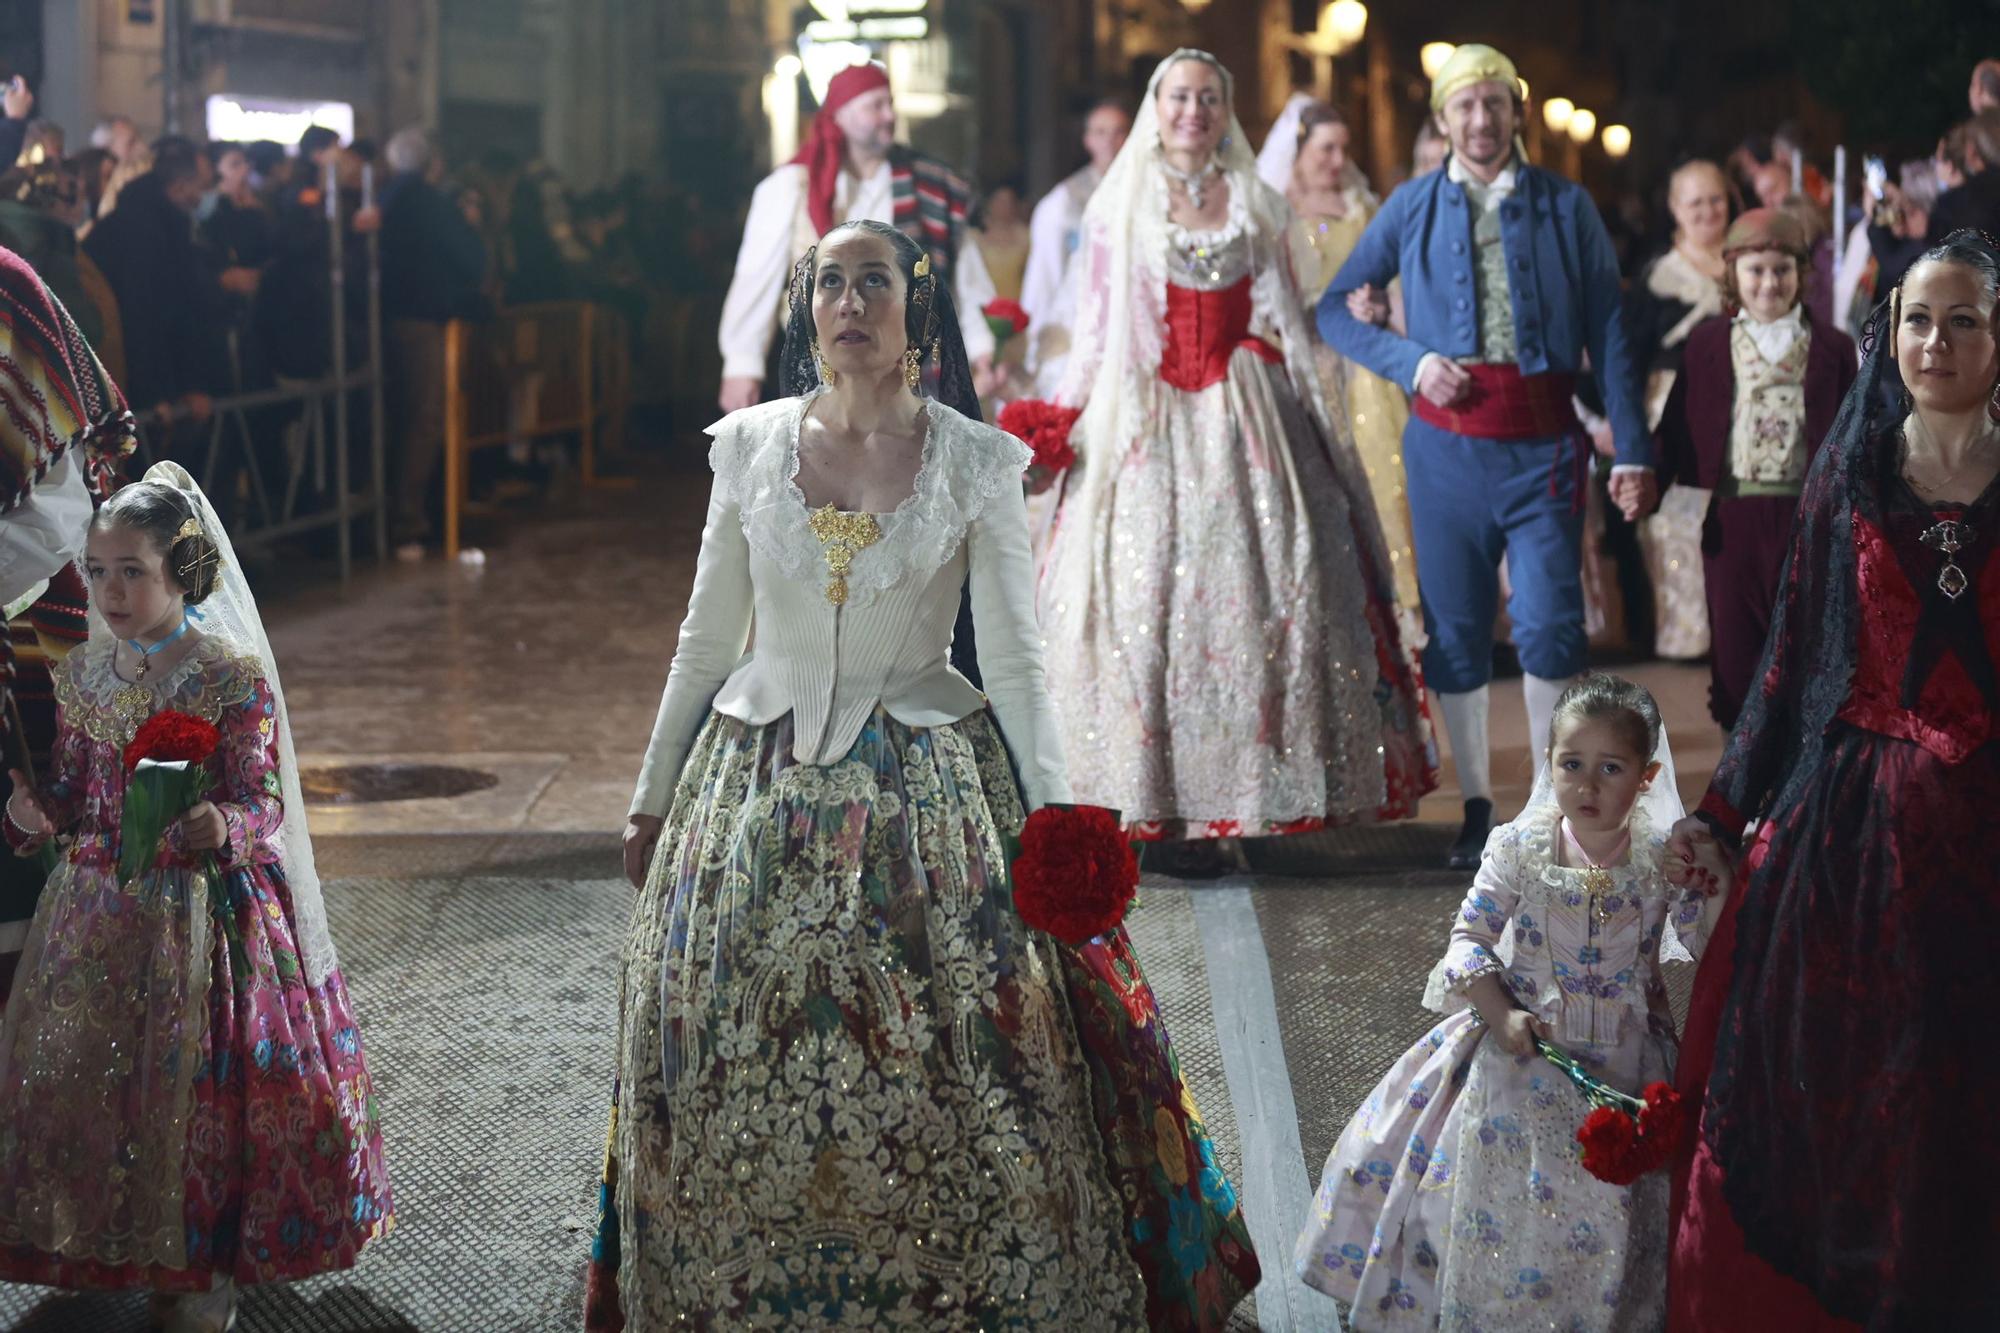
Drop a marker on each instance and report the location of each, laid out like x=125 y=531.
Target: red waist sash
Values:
x=1203 y=330
x=1504 y=404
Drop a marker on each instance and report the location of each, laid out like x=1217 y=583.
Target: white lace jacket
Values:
x=829 y=666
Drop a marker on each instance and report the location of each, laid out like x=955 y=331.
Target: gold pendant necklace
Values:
x=1598 y=880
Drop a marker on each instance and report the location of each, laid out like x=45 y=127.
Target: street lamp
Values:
x=1617 y=140
x=1346 y=21
x=1582 y=125
x=1556 y=113
x=1433 y=56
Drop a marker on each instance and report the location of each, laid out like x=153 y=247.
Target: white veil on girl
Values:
x=229 y=613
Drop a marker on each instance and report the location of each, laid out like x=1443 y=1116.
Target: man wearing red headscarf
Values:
x=850 y=167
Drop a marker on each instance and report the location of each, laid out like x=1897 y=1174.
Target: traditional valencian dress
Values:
x=1216 y=601
x=1847 y=1129
x=855 y=1089
x=1376 y=409
x=1456 y=1198
x=183 y=1096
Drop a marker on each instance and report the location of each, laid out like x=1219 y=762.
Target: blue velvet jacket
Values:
x=1561 y=272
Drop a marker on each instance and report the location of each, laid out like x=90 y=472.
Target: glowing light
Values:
x=1582 y=125
x=1617 y=140
x=1434 y=55
x=1346 y=21
x=1556 y=113
x=788 y=67
x=234 y=119
x=823 y=60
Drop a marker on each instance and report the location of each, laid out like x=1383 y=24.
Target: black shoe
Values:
x=1194 y=859
x=1472 y=838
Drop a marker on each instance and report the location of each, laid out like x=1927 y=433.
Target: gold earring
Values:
x=913 y=361
x=826 y=375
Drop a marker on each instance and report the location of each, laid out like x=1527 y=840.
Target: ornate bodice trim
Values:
x=215 y=675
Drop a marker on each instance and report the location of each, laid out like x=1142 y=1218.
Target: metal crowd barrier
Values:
x=531 y=372
x=302 y=504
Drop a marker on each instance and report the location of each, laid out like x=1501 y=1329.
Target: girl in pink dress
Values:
x=183 y=1100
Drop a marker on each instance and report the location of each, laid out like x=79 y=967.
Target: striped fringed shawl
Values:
x=931 y=204
x=54 y=396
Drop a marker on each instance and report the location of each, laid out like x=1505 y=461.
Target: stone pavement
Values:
x=480 y=930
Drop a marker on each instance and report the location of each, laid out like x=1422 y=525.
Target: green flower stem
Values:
x=1594 y=1089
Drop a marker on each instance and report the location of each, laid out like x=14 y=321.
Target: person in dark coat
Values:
x=168 y=297
x=1976 y=203
x=433 y=263
x=1757 y=392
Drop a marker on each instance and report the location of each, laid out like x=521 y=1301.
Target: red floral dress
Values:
x=178 y=1100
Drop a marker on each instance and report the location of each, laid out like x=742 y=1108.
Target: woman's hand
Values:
x=203 y=829
x=642 y=834
x=1517 y=1030
x=1697 y=859
x=1369 y=304
x=1039 y=478
x=25 y=809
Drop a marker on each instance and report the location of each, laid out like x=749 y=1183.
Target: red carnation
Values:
x=1662 y=1123
x=1076 y=873
x=169 y=736
x=1044 y=428
x=1000 y=311
x=1610 y=1140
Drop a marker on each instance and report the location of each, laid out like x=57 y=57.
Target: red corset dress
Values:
x=1203 y=330
x=1850 y=1100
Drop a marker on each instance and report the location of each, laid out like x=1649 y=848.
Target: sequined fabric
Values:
x=851 y=1087
x=1215 y=656
x=1456 y=1197
x=176 y=1101
x=1376 y=409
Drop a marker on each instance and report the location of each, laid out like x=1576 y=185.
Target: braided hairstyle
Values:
x=164 y=516
x=930 y=320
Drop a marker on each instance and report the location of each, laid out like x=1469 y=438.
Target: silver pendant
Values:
x=1950 y=536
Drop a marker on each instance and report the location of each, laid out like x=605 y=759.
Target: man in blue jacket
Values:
x=1510 y=289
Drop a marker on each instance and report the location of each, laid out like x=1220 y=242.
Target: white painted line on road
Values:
x=1277 y=1193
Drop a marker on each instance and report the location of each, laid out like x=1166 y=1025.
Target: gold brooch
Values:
x=844 y=536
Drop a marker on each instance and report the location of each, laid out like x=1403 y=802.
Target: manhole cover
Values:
x=368 y=784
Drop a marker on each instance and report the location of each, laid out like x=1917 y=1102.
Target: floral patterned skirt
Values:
x=1457 y=1199
x=177 y=1104
x=855 y=1089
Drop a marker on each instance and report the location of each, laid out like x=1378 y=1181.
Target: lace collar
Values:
x=965 y=463
x=215 y=675
x=1541 y=834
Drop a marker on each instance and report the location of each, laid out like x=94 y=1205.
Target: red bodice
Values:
x=1924 y=663
x=1203 y=330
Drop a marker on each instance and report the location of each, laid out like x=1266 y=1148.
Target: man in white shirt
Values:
x=850 y=168
x=1054 y=233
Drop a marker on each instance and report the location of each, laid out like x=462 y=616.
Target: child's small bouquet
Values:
x=1044 y=428
x=165 y=777
x=1074 y=872
x=1006 y=318
x=1624 y=1136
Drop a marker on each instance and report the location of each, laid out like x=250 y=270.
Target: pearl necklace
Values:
x=1194 y=182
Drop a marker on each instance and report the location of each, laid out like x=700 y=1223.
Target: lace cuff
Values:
x=1445 y=990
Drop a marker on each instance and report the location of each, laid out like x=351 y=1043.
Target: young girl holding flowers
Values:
x=1458 y=1196
x=183 y=1100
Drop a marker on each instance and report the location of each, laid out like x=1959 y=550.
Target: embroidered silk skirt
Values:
x=855 y=1089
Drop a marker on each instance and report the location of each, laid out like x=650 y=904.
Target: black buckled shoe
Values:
x=1471 y=839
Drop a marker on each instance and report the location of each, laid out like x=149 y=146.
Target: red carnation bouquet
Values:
x=1074 y=872
x=1006 y=318
x=166 y=775
x=1623 y=1137
x=1044 y=428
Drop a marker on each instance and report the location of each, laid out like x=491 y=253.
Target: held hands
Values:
x=1697 y=859
x=25 y=809
x=1369 y=304
x=1444 y=381
x=988 y=378
x=203 y=828
x=642 y=834
x=1636 y=493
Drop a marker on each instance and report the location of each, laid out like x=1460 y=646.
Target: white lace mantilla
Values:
x=755 y=455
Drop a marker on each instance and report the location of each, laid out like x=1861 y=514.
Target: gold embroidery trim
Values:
x=844 y=536
x=111 y=711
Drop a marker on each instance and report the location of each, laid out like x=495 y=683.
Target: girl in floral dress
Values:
x=183 y=1100
x=1456 y=1197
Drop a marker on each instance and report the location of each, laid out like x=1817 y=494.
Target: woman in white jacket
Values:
x=853 y=1084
